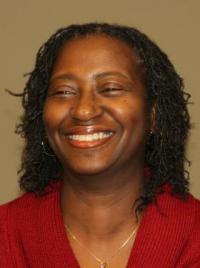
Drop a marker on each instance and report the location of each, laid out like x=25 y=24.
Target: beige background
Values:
x=26 y=24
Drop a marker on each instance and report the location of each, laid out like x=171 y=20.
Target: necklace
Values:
x=102 y=264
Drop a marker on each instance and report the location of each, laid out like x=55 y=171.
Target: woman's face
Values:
x=95 y=113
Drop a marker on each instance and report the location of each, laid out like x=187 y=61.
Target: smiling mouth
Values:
x=89 y=140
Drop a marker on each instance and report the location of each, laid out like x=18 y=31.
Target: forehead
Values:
x=97 y=51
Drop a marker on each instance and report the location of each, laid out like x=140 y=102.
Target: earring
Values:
x=45 y=151
x=151 y=132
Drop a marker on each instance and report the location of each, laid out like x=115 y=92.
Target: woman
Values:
x=105 y=123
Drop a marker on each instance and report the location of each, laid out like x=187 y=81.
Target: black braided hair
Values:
x=165 y=149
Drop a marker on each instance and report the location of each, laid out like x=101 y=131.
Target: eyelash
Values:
x=106 y=90
x=65 y=92
x=111 y=89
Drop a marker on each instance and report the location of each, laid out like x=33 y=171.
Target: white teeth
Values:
x=91 y=137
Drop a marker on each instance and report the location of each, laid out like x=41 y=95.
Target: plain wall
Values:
x=26 y=24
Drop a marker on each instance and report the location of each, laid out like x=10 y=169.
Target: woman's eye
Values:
x=63 y=92
x=111 y=90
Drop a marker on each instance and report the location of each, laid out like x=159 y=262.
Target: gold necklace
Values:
x=102 y=264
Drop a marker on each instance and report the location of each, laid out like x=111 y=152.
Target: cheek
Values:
x=130 y=111
x=134 y=120
x=53 y=115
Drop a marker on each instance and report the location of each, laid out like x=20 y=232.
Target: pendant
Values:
x=102 y=265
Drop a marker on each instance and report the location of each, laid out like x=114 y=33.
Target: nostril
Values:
x=86 y=111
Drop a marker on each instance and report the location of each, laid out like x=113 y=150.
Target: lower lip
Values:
x=88 y=144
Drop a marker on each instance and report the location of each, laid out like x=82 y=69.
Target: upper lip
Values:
x=78 y=130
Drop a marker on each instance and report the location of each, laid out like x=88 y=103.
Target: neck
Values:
x=100 y=207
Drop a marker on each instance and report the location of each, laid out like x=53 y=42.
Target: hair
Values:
x=165 y=148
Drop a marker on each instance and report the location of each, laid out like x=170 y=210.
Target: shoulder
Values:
x=9 y=216
x=175 y=207
x=14 y=209
x=189 y=223
x=174 y=218
x=183 y=214
x=181 y=223
x=27 y=205
x=3 y=212
x=20 y=217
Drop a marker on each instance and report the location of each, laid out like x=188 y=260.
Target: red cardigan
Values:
x=32 y=234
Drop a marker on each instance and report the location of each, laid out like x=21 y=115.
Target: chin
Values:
x=90 y=168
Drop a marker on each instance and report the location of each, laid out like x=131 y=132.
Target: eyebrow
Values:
x=70 y=76
x=101 y=75
x=64 y=76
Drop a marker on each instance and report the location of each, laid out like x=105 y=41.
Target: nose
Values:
x=86 y=108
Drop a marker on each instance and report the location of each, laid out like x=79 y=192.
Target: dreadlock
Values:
x=165 y=148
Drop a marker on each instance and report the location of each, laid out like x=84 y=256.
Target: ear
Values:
x=152 y=125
